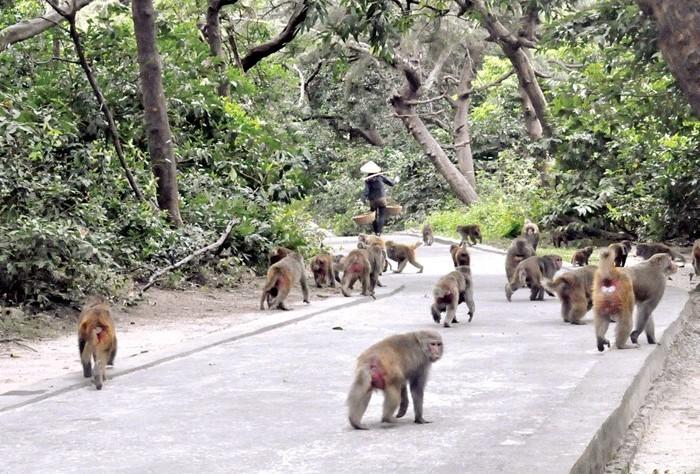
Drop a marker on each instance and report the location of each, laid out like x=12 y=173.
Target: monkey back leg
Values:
x=113 y=353
x=403 y=406
x=601 y=324
x=85 y=358
x=417 y=390
x=392 y=399
x=402 y=265
x=622 y=331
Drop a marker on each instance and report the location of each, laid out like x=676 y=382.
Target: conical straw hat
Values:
x=370 y=167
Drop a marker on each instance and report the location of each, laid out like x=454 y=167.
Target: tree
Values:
x=160 y=142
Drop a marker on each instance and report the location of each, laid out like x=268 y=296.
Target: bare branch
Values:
x=494 y=83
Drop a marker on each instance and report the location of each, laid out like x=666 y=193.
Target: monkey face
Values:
x=434 y=349
x=557 y=262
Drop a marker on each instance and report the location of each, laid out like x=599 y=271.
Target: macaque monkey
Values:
x=371 y=240
x=322 y=268
x=620 y=252
x=649 y=284
x=97 y=340
x=390 y=365
x=427 y=235
x=460 y=255
x=531 y=233
x=645 y=251
x=451 y=290
x=582 y=256
x=518 y=251
x=471 y=232
x=338 y=266
x=613 y=300
x=277 y=254
x=696 y=258
x=574 y=289
x=375 y=255
x=531 y=273
x=403 y=254
x=559 y=238
x=280 y=278
x=357 y=267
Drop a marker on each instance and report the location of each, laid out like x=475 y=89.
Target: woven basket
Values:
x=393 y=210
x=364 y=219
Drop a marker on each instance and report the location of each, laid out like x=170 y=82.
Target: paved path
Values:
x=517 y=391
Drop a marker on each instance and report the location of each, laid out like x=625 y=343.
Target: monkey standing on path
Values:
x=277 y=254
x=389 y=365
x=403 y=254
x=280 y=278
x=451 y=290
x=460 y=255
x=322 y=268
x=649 y=284
x=620 y=252
x=427 y=235
x=613 y=299
x=469 y=232
x=531 y=233
x=375 y=255
x=531 y=273
x=518 y=251
x=696 y=258
x=559 y=238
x=574 y=289
x=337 y=266
x=357 y=267
x=97 y=340
x=582 y=256
x=645 y=251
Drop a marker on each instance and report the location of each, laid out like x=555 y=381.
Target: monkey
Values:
x=531 y=272
x=322 y=268
x=645 y=251
x=375 y=255
x=403 y=254
x=696 y=259
x=451 y=290
x=620 y=252
x=613 y=299
x=277 y=254
x=357 y=267
x=518 y=251
x=531 y=233
x=582 y=256
x=649 y=284
x=574 y=289
x=337 y=266
x=427 y=235
x=373 y=239
x=460 y=255
x=471 y=232
x=280 y=278
x=390 y=365
x=97 y=340
x=559 y=238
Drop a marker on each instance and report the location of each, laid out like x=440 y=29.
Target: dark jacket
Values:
x=374 y=187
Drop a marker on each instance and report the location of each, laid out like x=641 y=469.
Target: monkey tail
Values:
x=358 y=398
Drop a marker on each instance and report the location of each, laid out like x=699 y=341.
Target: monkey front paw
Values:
x=422 y=421
x=602 y=343
x=634 y=336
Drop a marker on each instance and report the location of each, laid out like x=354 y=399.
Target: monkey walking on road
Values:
x=97 y=340
x=280 y=278
x=427 y=235
x=518 y=251
x=613 y=300
x=575 y=290
x=454 y=288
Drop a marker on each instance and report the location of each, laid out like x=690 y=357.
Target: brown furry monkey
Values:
x=460 y=255
x=280 y=278
x=531 y=233
x=518 y=251
x=531 y=273
x=575 y=291
x=471 y=232
x=338 y=266
x=649 y=284
x=370 y=240
x=451 y=290
x=97 y=340
x=620 y=252
x=581 y=256
x=390 y=365
x=613 y=300
x=696 y=258
x=357 y=267
x=559 y=238
x=427 y=235
x=375 y=255
x=403 y=254
x=645 y=251
x=322 y=268
x=277 y=254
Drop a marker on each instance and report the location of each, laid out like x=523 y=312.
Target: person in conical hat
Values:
x=375 y=193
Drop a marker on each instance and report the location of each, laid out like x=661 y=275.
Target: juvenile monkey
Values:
x=531 y=233
x=559 y=238
x=277 y=254
x=322 y=268
x=645 y=251
x=460 y=255
x=390 y=365
x=582 y=256
x=451 y=290
x=620 y=252
x=613 y=299
x=696 y=258
x=357 y=267
x=649 y=284
x=471 y=232
x=518 y=251
x=575 y=290
x=280 y=278
x=403 y=254
x=427 y=235
x=337 y=266
x=97 y=340
x=531 y=273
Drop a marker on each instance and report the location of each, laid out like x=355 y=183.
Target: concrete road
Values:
x=517 y=391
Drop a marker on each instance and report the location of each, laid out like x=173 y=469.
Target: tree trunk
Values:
x=160 y=143
x=461 y=132
x=214 y=39
x=532 y=124
x=678 y=23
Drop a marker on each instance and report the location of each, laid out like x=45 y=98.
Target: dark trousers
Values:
x=378 y=205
